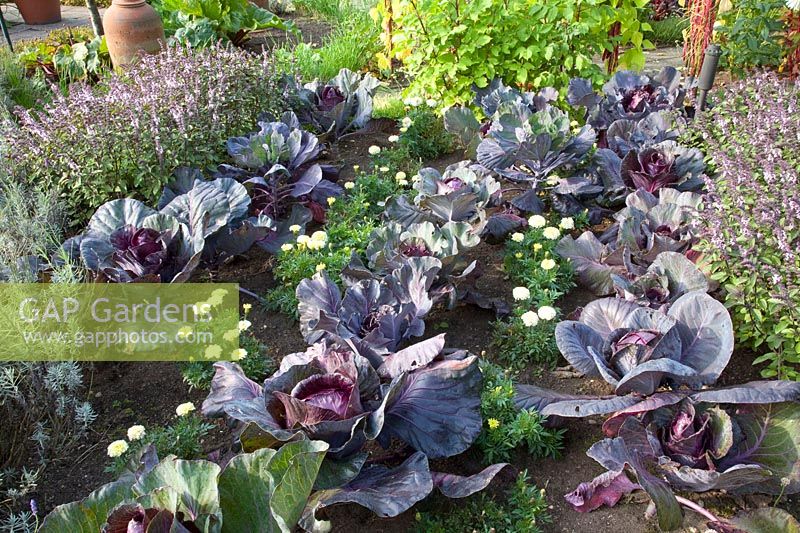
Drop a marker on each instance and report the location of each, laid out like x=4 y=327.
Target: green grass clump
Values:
x=669 y=32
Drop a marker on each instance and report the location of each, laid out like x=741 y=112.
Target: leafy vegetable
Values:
x=265 y=490
x=280 y=142
x=422 y=396
x=628 y=95
x=742 y=439
x=491 y=100
x=638 y=349
x=218 y=211
x=200 y=23
x=649 y=226
x=332 y=393
x=669 y=277
x=526 y=146
x=126 y=241
x=461 y=194
x=340 y=106
x=373 y=315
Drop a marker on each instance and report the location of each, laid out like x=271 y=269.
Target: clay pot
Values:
x=39 y=11
x=132 y=27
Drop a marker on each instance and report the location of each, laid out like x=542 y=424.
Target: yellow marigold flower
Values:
x=331 y=200
x=393 y=138
x=537 y=246
x=184 y=332
x=384 y=169
x=567 y=223
x=537 y=221
x=247 y=307
x=135 y=432
x=521 y=293
x=231 y=335
x=213 y=351
x=349 y=185
x=356 y=168
x=548 y=264
x=117 y=448
x=517 y=237
x=551 y=233
x=493 y=423
x=238 y=354
x=400 y=175
x=518 y=255
x=546 y=312
x=320 y=267
x=402 y=183
x=244 y=325
x=286 y=247
x=184 y=409
x=294 y=228
x=374 y=150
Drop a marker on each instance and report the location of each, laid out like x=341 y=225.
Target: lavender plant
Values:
x=752 y=216
x=127 y=135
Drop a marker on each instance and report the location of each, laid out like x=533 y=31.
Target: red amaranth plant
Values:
x=702 y=15
x=791 y=63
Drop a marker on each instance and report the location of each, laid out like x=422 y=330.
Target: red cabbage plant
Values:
x=743 y=439
x=422 y=396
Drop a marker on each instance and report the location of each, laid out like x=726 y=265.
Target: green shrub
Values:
x=669 y=31
x=16 y=87
x=125 y=136
x=182 y=438
x=506 y=427
x=423 y=134
x=750 y=34
x=447 y=45
x=520 y=346
x=257 y=365
x=522 y=510
x=350 y=221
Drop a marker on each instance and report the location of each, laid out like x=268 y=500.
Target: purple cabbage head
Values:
x=419 y=395
x=666 y=164
x=374 y=315
x=639 y=349
x=140 y=252
x=126 y=241
x=627 y=95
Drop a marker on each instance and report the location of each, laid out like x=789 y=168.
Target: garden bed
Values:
x=145 y=393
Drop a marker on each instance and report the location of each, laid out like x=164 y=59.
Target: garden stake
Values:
x=707 y=74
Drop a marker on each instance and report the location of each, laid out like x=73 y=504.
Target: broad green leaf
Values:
x=267 y=490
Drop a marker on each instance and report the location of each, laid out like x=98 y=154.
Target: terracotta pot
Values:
x=39 y=11
x=132 y=27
